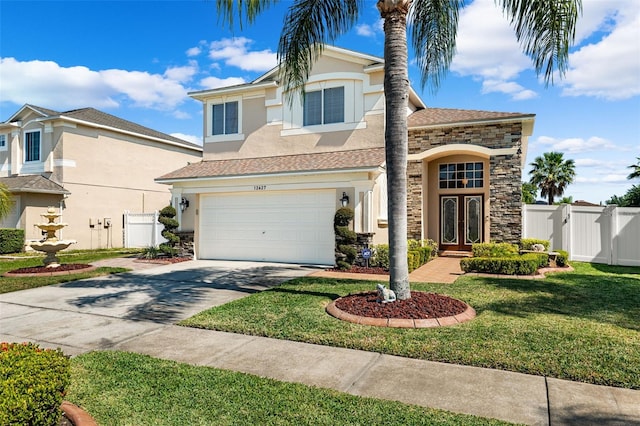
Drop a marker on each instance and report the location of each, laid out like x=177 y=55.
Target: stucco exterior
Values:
x=272 y=150
x=103 y=166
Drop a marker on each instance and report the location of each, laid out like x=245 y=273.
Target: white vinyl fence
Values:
x=142 y=230
x=599 y=234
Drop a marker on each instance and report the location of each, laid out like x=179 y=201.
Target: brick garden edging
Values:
x=53 y=273
x=338 y=313
x=77 y=415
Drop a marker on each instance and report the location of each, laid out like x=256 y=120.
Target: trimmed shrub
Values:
x=380 y=256
x=346 y=252
x=511 y=265
x=32 y=384
x=11 y=240
x=494 y=250
x=166 y=218
x=417 y=255
x=527 y=243
x=562 y=259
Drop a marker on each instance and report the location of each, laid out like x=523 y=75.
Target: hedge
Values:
x=418 y=253
x=11 y=240
x=494 y=250
x=32 y=384
x=528 y=243
x=526 y=264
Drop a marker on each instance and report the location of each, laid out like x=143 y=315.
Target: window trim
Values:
x=3 y=142
x=223 y=137
x=321 y=121
x=26 y=151
x=456 y=172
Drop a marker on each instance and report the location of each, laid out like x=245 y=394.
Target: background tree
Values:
x=630 y=199
x=529 y=193
x=544 y=29
x=6 y=201
x=636 y=170
x=565 y=200
x=551 y=173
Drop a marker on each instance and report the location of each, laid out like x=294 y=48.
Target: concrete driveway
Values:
x=102 y=312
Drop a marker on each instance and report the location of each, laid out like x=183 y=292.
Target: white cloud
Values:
x=182 y=74
x=575 y=145
x=235 y=52
x=189 y=138
x=194 y=51
x=508 y=87
x=487 y=49
x=365 y=30
x=610 y=67
x=215 y=82
x=47 y=84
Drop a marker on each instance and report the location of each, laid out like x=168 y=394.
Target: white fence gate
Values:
x=142 y=230
x=599 y=234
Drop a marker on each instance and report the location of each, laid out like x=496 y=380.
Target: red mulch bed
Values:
x=44 y=270
x=362 y=270
x=421 y=305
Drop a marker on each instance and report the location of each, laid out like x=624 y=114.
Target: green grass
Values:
x=119 y=388
x=582 y=325
x=8 y=284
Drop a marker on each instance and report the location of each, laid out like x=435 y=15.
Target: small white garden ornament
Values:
x=537 y=247
x=385 y=295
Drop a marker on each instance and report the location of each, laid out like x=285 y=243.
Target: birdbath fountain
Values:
x=51 y=245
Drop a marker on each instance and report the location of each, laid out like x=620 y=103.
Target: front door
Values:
x=460 y=221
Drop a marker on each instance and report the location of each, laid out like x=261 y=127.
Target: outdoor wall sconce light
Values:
x=519 y=151
x=344 y=200
x=184 y=203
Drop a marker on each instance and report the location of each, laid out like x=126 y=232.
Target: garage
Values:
x=278 y=226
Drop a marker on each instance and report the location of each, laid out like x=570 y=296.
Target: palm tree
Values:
x=545 y=30
x=636 y=170
x=529 y=193
x=6 y=201
x=551 y=173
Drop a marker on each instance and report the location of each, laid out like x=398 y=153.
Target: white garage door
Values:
x=283 y=226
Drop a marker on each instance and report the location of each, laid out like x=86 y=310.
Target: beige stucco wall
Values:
x=108 y=173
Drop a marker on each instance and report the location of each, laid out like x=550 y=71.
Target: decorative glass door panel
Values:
x=473 y=219
x=461 y=221
x=449 y=217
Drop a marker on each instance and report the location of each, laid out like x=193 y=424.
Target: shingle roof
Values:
x=436 y=116
x=31 y=184
x=92 y=115
x=325 y=161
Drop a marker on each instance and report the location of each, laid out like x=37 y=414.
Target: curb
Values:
x=77 y=415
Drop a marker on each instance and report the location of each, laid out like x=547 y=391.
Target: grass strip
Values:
x=119 y=388
x=9 y=284
x=582 y=325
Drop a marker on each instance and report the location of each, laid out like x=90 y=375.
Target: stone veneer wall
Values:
x=505 y=175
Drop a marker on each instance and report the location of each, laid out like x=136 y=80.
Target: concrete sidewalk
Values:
x=125 y=312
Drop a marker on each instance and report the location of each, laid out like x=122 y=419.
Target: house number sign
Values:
x=259 y=187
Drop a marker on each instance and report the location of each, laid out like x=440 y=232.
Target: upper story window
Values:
x=224 y=119
x=32 y=146
x=3 y=142
x=324 y=106
x=462 y=175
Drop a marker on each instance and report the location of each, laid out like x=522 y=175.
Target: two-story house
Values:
x=91 y=165
x=273 y=172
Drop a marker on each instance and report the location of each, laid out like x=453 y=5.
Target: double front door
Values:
x=460 y=221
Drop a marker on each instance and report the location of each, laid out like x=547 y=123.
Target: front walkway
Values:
x=442 y=269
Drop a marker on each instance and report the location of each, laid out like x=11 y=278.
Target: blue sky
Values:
x=137 y=60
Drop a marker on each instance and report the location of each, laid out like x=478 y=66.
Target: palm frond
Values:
x=434 y=25
x=246 y=10
x=308 y=25
x=545 y=29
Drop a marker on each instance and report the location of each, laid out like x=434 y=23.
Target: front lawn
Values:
x=582 y=325
x=8 y=284
x=119 y=388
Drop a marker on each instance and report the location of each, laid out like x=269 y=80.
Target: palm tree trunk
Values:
x=396 y=90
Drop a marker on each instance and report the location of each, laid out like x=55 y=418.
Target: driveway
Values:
x=100 y=313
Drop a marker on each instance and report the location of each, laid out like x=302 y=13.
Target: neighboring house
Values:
x=91 y=165
x=274 y=173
